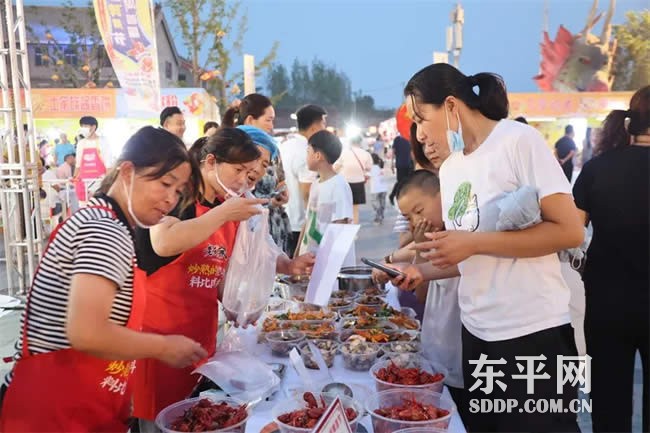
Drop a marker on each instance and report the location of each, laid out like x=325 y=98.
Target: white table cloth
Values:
x=357 y=379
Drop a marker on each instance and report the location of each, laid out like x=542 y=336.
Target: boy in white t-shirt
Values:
x=330 y=196
x=420 y=202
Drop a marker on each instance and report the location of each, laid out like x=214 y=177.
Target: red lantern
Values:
x=403 y=122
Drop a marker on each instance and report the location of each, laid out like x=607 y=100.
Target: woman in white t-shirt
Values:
x=513 y=298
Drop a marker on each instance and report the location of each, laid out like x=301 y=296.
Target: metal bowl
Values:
x=355 y=279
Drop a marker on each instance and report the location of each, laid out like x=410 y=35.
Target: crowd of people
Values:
x=124 y=304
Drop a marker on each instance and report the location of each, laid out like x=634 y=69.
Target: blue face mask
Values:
x=455 y=139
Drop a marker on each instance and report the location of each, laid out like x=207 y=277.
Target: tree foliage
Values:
x=316 y=83
x=632 y=60
x=213 y=32
x=322 y=84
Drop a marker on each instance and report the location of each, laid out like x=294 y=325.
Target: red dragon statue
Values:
x=580 y=63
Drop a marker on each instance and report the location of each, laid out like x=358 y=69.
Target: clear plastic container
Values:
x=328 y=349
x=343 y=294
x=374 y=302
x=296 y=403
x=399 y=347
x=341 y=305
x=281 y=342
x=407 y=361
x=359 y=355
x=422 y=430
x=172 y=412
x=398 y=397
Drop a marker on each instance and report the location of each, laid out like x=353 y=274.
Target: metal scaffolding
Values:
x=19 y=182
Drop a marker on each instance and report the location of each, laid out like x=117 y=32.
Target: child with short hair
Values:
x=419 y=201
x=330 y=196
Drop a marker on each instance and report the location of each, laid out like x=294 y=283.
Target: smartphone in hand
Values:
x=393 y=273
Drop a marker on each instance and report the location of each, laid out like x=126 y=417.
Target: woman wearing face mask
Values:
x=185 y=258
x=81 y=327
x=255 y=110
x=513 y=298
x=269 y=152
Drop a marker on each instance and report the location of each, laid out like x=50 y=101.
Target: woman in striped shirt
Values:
x=81 y=328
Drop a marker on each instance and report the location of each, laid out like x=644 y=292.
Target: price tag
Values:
x=334 y=419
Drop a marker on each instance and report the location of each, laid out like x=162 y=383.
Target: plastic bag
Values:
x=240 y=375
x=520 y=209
x=251 y=271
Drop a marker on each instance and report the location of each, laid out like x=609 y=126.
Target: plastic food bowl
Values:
x=407 y=361
x=297 y=403
x=393 y=397
x=281 y=342
x=328 y=349
x=169 y=414
x=399 y=347
x=359 y=355
x=422 y=430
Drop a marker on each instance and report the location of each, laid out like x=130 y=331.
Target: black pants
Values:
x=459 y=395
x=550 y=343
x=617 y=325
x=292 y=243
x=567 y=168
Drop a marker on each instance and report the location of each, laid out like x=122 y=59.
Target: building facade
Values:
x=65 y=50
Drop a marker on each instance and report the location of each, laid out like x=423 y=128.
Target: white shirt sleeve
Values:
x=535 y=165
x=343 y=201
x=300 y=168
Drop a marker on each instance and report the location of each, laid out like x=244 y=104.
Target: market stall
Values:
x=355 y=372
x=551 y=112
x=59 y=110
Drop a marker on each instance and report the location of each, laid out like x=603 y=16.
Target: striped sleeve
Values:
x=105 y=250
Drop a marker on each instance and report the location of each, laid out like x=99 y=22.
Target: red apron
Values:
x=91 y=166
x=182 y=300
x=70 y=391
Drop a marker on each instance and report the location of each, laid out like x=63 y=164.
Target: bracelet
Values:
x=389 y=258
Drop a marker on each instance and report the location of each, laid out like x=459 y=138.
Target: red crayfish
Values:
x=309 y=416
x=407 y=376
x=206 y=415
x=412 y=410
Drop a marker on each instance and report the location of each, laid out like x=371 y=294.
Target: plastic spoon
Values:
x=332 y=387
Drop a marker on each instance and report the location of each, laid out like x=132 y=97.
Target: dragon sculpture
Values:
x=582 y=62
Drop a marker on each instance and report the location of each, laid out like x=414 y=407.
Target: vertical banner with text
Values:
x=129 y=33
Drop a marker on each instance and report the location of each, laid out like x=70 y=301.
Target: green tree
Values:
x=278 y=85
x=77 y=62
x=632 y=59
x=213 y=34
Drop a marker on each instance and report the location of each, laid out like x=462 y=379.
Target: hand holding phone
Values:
x=391 y=272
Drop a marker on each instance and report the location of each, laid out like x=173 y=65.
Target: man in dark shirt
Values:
x=402 y=161
x=402 y=154
x=565 y=150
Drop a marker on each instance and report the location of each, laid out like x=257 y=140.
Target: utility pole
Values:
x=455 y=34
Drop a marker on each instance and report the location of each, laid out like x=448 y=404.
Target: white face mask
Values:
x=455 y=139
x=229 y=192
x=129 y=204
x=85 y=131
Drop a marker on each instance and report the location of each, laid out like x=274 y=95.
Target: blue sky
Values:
x=379 y=44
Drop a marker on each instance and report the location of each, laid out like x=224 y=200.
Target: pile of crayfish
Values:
x=412 y=410
x=407 y=376
x=309 y=416
x=206 y=416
